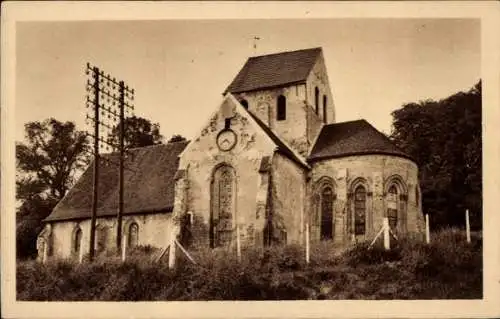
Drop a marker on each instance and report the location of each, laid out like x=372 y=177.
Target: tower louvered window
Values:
x=281 y=108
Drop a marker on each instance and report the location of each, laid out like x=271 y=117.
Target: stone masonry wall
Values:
x=319 y=78
x=288 y=197
x=263 y=104
x=375 y=172
x=202 y=156
x=153 y=230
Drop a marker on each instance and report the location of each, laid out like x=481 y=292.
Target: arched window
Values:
x=77 y=241
x=360 y=210
x=281 y=109
x=392 y=206
x=102 y=238
x=324 y=109
x=327 y=213
x=223 y=199
x=244 y=103
x=133 y=235
x=316 y=100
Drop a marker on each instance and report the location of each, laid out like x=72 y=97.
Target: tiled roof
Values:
x=274 y=70
x=352 y=138
x=149 y=185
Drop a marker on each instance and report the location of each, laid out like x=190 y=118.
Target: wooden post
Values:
x=427 y=231
x=238 y=244
x=467 y=225
x=95 y=190
x=387 y=239
x=171 y=252
x=124 y=247
x=122 y=159
x=307 y=244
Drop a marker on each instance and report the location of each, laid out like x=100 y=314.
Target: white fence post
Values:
x=238 y=243
x=307 y=244
x=467 y=225
x=124 y=247
x=427 y=230
x=387 y=239
x=171 y=252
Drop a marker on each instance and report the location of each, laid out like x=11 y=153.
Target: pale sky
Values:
x=180 y=68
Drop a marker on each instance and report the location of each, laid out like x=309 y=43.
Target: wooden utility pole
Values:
x=121 y=101
x=104 y=100
x=307 y=244
x=95 y=187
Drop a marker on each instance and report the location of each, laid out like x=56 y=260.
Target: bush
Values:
x=447 y=268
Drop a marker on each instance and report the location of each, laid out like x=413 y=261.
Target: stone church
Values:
x=270 y=161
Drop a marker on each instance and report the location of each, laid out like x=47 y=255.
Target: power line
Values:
x=108 y=101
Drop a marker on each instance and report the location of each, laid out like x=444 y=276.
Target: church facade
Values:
x=269 y=162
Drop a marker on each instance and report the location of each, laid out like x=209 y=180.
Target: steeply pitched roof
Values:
x=274 y=70
x=149 y=185
x=352 y=138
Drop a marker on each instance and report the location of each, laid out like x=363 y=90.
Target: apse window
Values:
x=281 y=110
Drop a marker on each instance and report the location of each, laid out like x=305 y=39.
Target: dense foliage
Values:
x=139 y=132
x=49 y=161
x=448 y=268
x=47 y=165
x=444 y=137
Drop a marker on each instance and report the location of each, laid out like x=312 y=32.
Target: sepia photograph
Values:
x=245 y=159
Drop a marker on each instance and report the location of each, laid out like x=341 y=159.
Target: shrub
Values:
x=447 y=268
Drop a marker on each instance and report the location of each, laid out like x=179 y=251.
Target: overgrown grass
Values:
x=448 y=268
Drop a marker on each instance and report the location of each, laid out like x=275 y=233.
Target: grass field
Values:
x=448 y=268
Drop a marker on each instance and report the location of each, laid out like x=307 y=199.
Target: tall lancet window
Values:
x=360 y=210
x=223 y=200
x=327 y=213
x=392 y=206
x=77 y=241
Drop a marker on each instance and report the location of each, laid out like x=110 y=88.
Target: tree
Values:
x=139 y=132
x=177 y=138
x=444 y=137
x=47 y=166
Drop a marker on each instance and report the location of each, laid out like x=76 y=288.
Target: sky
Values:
x=179 y=68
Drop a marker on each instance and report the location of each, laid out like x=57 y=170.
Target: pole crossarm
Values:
x=114 y=99
x=106 y=77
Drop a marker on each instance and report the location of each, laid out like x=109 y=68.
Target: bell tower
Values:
x=289 y=92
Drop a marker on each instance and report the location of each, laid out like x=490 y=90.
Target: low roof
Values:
x=149 y=185
x=274 y=70
x=352 y=138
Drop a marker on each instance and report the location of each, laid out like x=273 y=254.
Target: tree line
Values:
x=445 y=139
